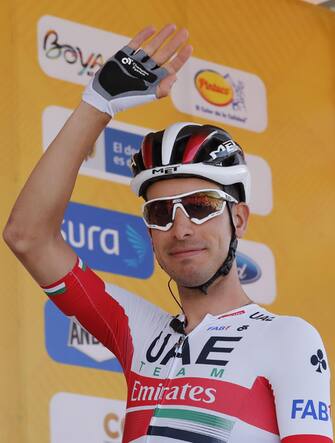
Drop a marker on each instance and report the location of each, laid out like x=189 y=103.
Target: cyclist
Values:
x=225 y=369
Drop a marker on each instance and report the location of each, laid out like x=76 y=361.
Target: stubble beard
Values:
x=189 y=275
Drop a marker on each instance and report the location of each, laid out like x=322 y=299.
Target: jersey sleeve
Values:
x=300 y=380
x=119 y=319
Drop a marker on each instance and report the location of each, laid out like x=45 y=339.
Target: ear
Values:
x=241 y=215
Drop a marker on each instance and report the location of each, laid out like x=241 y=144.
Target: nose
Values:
x=182 y=226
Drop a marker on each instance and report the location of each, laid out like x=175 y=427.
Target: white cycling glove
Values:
x=127 y=79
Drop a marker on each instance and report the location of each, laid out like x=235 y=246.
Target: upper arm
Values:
x=118 y=319
x=47 y=260
x=300 y=380
x=82 y=294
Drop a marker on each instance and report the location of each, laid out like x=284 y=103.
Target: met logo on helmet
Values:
x=224 y=149
x=165 y=170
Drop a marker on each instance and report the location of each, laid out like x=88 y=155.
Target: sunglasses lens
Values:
x=201 y=204
x=158 y=212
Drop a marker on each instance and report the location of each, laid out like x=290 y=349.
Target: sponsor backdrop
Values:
x=265 y=71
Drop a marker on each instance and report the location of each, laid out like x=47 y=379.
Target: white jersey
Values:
x=246 y=376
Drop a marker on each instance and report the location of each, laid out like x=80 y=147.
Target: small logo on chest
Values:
x=218 y=328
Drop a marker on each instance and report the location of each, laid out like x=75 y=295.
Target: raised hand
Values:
x=138 y=74
x=173 y=52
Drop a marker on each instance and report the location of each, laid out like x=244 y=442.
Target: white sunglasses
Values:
x=199 y=206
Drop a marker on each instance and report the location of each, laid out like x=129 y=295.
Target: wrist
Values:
x=91 y=112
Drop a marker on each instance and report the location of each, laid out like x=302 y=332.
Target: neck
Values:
x=224 y=295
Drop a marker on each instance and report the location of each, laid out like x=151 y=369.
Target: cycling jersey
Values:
x=245 y=376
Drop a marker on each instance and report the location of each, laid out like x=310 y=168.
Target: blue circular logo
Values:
x=248 y=270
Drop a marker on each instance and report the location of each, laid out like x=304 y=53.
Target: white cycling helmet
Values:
x=191 y=150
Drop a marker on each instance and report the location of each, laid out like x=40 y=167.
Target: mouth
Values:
x=183 y=253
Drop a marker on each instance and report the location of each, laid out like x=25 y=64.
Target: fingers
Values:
x=173 y=67
x=141 y=37
x=164 y=48
x=180 y=59
x=161 y=49
x=159 y=39
x=164 y=87
x=164 y=53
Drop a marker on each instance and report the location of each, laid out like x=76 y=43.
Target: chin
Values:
x=190 y=280
x=188 y=273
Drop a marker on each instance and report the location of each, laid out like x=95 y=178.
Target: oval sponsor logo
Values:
x=214 y=88
x=248 y=270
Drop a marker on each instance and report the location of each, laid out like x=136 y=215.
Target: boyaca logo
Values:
x=214 y=88
x=72 y=51
x=73 y=55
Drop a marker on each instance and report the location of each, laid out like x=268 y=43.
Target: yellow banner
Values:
x=264 y=71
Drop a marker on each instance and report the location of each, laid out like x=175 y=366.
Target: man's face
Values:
x=188 y=252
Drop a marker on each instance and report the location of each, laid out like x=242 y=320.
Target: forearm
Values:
x=39 y=209
x=33 y=229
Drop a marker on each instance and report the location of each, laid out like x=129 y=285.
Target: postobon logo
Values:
x=214 y=88
x=113 y=425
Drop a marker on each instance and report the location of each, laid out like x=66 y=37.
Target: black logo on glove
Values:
x=128 y=73
x=318 y=360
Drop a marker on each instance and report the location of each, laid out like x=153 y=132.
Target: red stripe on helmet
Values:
x=192 y=147
x=146 y=150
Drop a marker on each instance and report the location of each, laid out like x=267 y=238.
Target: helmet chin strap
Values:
x=226 y=266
